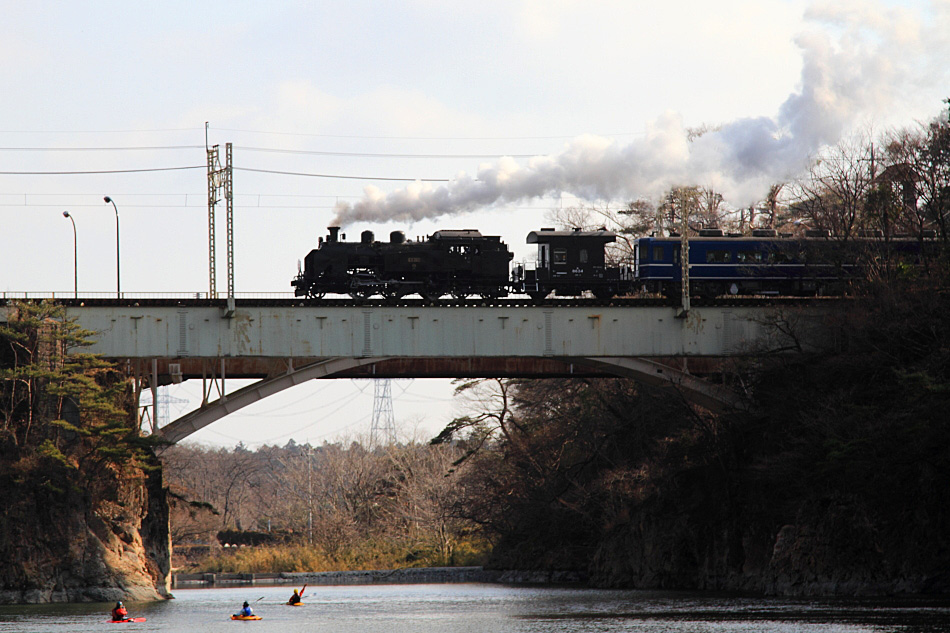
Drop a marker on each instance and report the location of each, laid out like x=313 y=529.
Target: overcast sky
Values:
x=457 y=95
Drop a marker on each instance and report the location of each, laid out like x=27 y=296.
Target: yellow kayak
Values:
x=245 y=617
x=294 y=604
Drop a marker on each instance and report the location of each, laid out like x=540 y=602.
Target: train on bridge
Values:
x=571 y=263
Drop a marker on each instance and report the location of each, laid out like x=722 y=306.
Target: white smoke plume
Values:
x=857 y=73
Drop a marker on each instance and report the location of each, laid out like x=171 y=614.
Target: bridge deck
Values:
x=264 y=331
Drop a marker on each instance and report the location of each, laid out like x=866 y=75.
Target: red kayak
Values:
x=128 y=620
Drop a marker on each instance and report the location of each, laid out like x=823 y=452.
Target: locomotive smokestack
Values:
x=334 y=235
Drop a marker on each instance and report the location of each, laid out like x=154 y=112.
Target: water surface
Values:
x=481 y=608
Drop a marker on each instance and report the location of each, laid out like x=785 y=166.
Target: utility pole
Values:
x=383 y=430
x=309 y=493
x=220 y=185
x=684 y=252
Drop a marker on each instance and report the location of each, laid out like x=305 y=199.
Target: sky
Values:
x=414 y=115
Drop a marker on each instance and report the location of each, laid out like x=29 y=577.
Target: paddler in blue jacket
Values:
x=246 y=611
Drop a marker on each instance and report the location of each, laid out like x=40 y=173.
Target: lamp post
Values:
x=118 y=291
x=75 y=257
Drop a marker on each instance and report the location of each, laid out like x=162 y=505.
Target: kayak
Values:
x=294 y=604
x=245 y=617
x=128 y=620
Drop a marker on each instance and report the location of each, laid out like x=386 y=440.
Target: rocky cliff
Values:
x=833 y=548
x=59 y=543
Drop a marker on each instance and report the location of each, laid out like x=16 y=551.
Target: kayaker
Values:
x=119 y=612
x=246 y=611
x=294 y=599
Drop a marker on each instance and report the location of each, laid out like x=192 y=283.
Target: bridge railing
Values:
x=51 y=294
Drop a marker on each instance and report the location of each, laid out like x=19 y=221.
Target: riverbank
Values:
x=421 y=575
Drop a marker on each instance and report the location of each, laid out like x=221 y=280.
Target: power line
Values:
x=425 y=138
x=272 y=150
x=99 y=149
x=97 y=171
x=339 y=176
x=179 y=129
x=378 y=155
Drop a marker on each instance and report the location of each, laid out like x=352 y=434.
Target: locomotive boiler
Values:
x=460 y=263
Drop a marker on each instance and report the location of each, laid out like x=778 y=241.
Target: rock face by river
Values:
x=836 y=547
x=74 y=548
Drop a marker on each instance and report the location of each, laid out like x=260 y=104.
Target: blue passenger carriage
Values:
x=764 y=263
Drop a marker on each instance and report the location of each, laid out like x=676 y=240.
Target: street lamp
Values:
x=75 y=257
x=118 y=291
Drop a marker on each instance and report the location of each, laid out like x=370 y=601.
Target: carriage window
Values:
x=658 y=253
x=583 y=255
x=749 y=257
x=718 y=257
x=560 y=256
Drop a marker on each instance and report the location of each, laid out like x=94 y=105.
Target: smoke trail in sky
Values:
x=861 y=60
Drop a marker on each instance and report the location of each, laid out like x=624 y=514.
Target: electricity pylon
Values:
x=383 y=430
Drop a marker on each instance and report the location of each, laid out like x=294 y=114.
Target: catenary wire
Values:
x=99 y=149
x=376 y=155
x=338 y=176
x=98 y=171
x=425 y=138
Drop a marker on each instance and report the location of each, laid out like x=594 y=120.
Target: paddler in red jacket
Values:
x=119 y=613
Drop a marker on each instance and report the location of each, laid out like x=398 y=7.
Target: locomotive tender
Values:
x=465 y=263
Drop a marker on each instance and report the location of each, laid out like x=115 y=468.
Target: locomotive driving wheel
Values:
x=430 y=296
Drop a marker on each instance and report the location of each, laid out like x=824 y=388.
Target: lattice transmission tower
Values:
x=383 y=430
x=163 y=411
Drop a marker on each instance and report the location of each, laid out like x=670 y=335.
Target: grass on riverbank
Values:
x=307 y=558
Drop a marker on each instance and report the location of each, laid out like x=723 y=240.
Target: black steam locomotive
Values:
x=460 y=263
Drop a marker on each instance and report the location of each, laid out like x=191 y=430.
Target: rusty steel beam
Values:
x=472 y=367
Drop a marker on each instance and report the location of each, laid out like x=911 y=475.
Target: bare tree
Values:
x=833 y=195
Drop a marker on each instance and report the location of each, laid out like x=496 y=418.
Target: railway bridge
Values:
x=282 y=343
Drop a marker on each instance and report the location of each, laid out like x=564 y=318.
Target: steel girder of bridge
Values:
x=284 y=346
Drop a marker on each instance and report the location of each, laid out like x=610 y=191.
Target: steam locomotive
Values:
x=465 y=263
x=460 y=263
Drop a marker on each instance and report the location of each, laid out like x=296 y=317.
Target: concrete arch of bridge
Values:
x=200 y=418
x=706 y=394
x=696 y=390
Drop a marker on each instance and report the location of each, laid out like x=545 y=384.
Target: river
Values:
x=485 y=608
